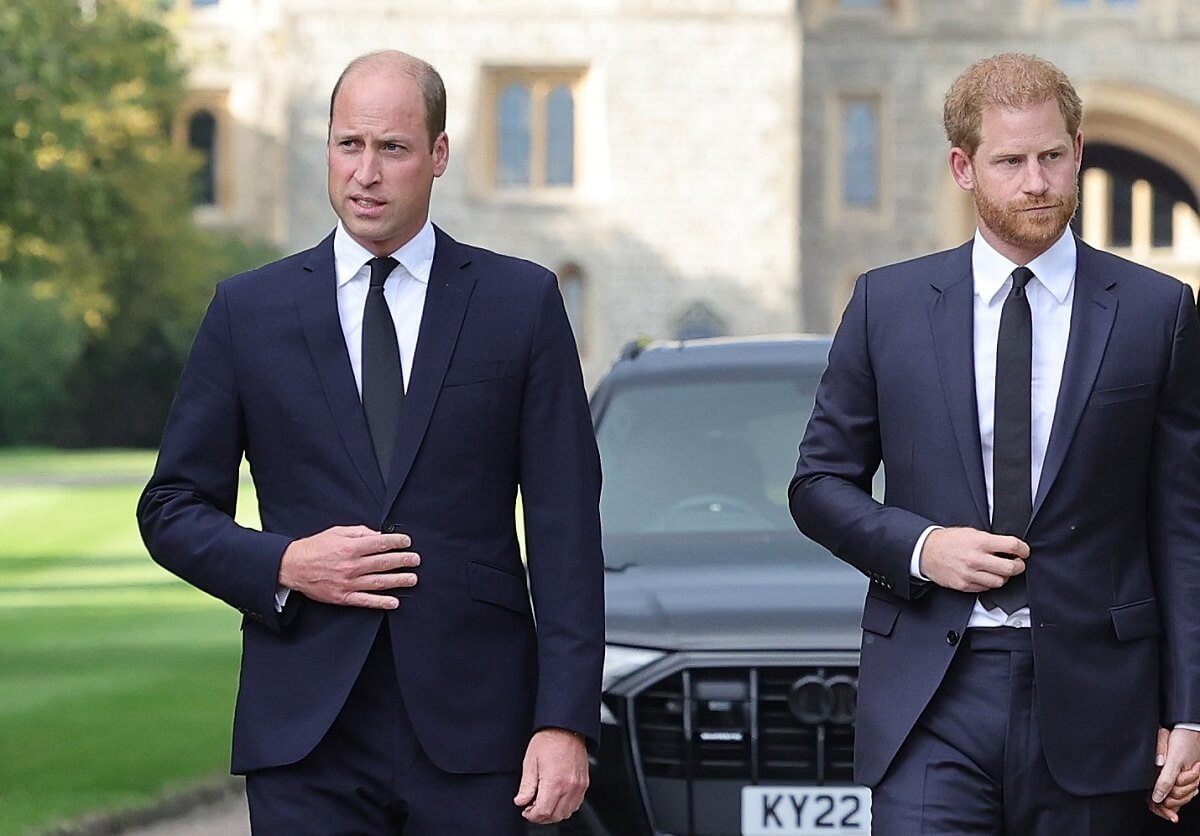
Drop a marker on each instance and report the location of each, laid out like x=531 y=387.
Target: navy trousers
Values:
x=369 y=776
x=974 y=764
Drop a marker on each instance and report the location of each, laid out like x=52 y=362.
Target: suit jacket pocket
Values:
x=497 y=586
x=879 y=615
x=1121 y=394
x=464 y=374
x=1138 y=620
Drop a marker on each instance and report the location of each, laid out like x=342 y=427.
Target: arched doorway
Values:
x=1134 y=205
x=1141 y=178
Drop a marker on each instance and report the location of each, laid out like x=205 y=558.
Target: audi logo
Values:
x=816 y=699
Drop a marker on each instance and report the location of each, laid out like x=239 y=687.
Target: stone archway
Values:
x=1148 y=121
x=1165 y=131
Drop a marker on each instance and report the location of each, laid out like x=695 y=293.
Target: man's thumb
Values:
x=1166 y=780
x=528 y=789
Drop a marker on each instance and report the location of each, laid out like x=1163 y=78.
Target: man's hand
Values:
x=348 y=566
x=554 y=776
x=970 y=560
x=1179 y=778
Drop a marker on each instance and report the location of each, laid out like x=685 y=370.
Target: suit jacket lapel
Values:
x=450 y=286
x=316 y=306
x=952 y=320
x=1092 y=313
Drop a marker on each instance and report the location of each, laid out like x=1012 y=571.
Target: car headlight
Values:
x=620 y=662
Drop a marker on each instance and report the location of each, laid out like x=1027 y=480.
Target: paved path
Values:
x=226 y=817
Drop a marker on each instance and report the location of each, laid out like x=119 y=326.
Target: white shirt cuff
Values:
x=281 y=596
x=1188 y=726
x=914 y=565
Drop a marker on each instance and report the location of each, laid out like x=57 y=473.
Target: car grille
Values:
x=745 y=724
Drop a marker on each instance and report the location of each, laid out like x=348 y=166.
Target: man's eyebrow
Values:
x=1003 y=153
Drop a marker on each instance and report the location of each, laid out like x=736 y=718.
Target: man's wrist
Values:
x=562 y=729
x=914 y=565
x=580 y=736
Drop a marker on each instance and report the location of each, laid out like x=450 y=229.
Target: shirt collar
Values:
x=1054 y=269
x=416 y=255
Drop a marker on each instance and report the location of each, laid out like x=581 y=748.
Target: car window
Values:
x=703 y=455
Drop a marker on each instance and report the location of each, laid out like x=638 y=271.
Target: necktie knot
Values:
x=381 y=268
x=1021 y=277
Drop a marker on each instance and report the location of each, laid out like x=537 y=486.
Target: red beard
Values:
x=1025 y=230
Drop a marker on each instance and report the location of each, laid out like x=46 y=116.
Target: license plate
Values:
x=805 y=811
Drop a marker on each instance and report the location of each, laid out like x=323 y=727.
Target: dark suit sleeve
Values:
x=186 y=511
x=1175 y=519
x=830 y=495
x=560 y=491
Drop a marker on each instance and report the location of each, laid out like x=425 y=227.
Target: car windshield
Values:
x=712 y=455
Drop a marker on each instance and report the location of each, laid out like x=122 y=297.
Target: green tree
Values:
x=38 y=348
x=97 y=217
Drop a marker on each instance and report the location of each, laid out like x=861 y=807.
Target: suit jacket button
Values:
x=952 y=638
x=389 y=528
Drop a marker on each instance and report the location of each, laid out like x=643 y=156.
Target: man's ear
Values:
x=963 y=169
x=441 y=154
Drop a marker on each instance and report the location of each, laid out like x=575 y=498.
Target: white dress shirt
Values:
x=404 y=291
x=1050 y=292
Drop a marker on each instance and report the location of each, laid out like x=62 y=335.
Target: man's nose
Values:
x=368 y=168
x=1036 y=181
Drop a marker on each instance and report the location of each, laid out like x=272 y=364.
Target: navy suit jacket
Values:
x=495 y=401
x=1114 y=568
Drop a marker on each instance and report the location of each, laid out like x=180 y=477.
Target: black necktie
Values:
x=382 y=378
x=1012 y=499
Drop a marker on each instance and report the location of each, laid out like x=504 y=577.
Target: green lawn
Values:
x=116 y=679
x=33 y=462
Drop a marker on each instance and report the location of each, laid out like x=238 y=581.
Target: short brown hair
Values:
x=1011 y=79
x=433 y=90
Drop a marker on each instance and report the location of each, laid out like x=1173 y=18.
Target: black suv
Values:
x=730 y=677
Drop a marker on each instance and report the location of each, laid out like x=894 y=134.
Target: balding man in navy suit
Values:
x=392 y=389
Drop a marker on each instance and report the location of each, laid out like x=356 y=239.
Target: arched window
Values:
x=698 y=321
x=532 y=116
x=202 y=137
